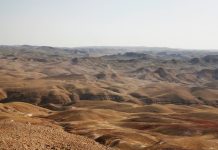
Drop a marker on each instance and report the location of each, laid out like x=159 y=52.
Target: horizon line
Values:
x=112 y=46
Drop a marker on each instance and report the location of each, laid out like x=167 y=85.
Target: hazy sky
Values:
x=171 y=23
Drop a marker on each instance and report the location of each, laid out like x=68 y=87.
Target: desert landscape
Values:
x=124 y=98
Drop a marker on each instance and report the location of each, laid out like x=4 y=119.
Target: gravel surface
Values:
x=21 y=136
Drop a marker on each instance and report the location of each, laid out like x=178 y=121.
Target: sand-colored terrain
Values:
x=56 y=98
x=109 y=125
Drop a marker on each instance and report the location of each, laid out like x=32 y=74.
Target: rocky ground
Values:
x=27 y=136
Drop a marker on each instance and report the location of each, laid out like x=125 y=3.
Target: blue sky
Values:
x=170 y=23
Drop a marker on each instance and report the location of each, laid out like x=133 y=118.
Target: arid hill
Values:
x=129 y=98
